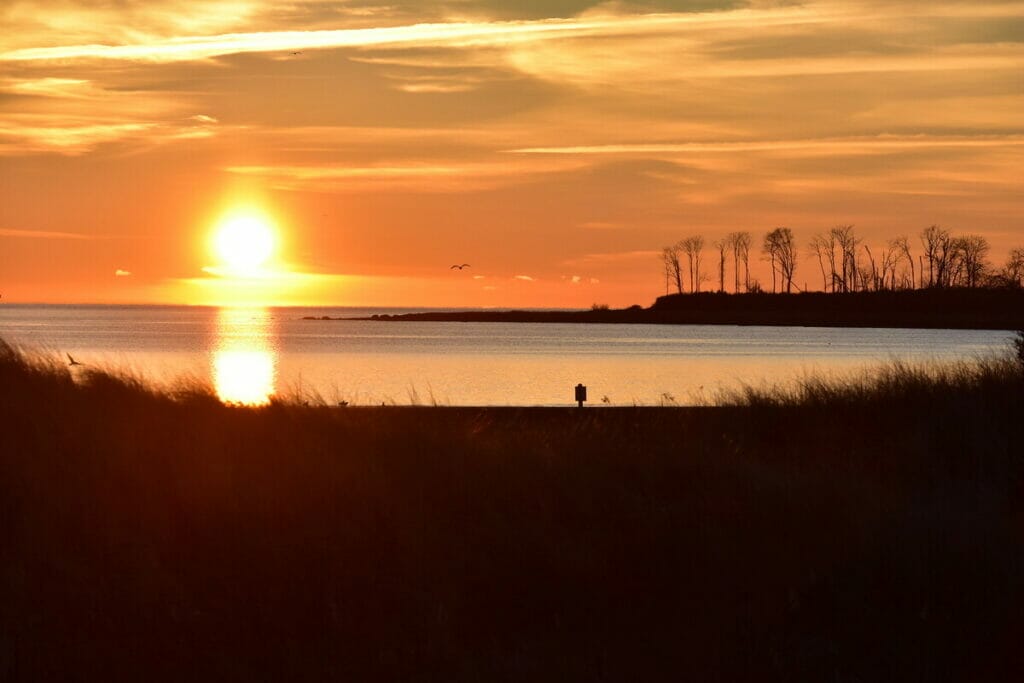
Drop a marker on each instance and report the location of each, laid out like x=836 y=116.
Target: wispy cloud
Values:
x=598 y=23
x=120 y=21
x=47 y=87
x=20 y=134
x=613 y=257
x=122 y=273
x=524 y=278
x=50 y=235
x=436 y=177
x=72 y=139
x=850 y=145
x=458 y=34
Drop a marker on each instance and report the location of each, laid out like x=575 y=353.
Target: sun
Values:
x=244 y=242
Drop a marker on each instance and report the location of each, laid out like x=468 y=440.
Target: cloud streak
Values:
x=50 y=235
x=493 y=33
x=456 y=34
x=853 y=145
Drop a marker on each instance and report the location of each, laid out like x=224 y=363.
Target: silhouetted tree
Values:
x=890 y=257
x=1013 y=271
x=881 y=274
x=692 y=247
x=722 y=245
x=902 y=247
x=733 y=242
x=822 y=247
x=972 y=252
x=780 y=247
x=673 y=271
x=936 y=243
x=846 y=240
x=947 y=261
x=870 y=277
x=741 y=245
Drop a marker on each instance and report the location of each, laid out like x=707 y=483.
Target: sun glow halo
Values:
x=243 y=243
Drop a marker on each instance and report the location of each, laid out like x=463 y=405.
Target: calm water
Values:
x=249 y=354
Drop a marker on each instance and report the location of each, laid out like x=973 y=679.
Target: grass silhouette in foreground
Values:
x=869 y=531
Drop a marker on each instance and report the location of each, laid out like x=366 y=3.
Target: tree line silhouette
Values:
x=846 y=262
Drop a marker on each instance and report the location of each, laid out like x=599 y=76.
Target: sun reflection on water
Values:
x=244 y=358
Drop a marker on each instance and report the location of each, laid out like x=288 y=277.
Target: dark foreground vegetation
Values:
x=959 y=308
x=867 y=532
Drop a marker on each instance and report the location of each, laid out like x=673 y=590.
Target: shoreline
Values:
x=977 y=309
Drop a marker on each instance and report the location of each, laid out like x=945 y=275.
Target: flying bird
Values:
x=296 y=53
x=464 y=265
x=73 y=361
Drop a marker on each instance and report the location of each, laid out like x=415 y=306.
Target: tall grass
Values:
x=889 y=384
x=868 y=531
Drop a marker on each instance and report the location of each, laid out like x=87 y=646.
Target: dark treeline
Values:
x=943 y=308
x=938 y=259
x=938 y=308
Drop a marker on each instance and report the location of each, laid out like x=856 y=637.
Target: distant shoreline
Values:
x=981 y=309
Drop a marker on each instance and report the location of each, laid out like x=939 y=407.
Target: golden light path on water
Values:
x=245 y=358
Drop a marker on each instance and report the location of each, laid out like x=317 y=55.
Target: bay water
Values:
x=248 y=355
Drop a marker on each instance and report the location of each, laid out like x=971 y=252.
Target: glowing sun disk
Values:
x=244 y=243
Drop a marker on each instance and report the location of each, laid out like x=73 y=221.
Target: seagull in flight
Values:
x=296 y=53
x=464 y=265
x=73 y=361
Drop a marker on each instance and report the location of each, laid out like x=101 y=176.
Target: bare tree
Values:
x=692 y=247
x=956 y=269
x=888 y=262
x=734 y=244
x=820 y=248
x=723 y=246
x=870 y=277
x=673 y=270
x=881 y=274
x=846 y=240
x=780 y=248
x=1013 y=271
x=936 y=243
x=740 y=242
x=901 y=245
x=743 y=240
x=787 y=256
x=973 y=250
x=770 y=249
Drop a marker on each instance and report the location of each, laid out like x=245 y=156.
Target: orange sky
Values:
x=554 y=145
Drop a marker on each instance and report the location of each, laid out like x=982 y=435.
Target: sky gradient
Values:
x=555 y=146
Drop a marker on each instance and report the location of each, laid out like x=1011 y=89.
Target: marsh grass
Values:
x=888 y=383
x=860 y=531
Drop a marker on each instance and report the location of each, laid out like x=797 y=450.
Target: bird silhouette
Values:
x=72 y=360
x=464 y=265
x=296 y=53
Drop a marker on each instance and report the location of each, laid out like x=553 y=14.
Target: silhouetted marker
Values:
x=73 y=361
x=464 y=265
x=581 y=394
